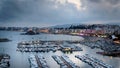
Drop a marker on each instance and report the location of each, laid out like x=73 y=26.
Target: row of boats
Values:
x=40 y=42
x=94 y=62
x=36 y=49
x=64 y=61
x=67 y=60
x=108 y=47
x=59 y=61
x=46 y=48
x=4 y=61
x=37 y=61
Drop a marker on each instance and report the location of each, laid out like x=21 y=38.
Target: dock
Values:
x=64 y=62
x=43 y=46
x=69 y=62
x=4 y=61
x=59 y=61
x=37 y=61
x=33 y=62
x=92 y=61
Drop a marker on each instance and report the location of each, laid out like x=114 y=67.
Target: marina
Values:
x=59 y=33
x=22 y=57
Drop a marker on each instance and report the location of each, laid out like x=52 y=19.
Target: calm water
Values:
x=20 y=60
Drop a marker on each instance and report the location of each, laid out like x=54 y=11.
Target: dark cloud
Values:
x=9 y=9
x=105 y=1
x=14 y=9
x=114 y=2
x=96 y=1
x=104 y=9
x=58 y=11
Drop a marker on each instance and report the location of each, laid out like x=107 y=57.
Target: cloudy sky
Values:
x=58 y=12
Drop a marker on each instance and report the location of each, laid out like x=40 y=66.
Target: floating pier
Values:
x=4 y=61
x=64 y=62
x=37 y=61
x=94 y=62
x=38 y=46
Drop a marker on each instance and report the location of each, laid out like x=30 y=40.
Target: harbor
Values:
x=59 y=33
x=22 y=57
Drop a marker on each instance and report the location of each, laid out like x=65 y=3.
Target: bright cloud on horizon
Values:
x=76 y=3
x=58 y=12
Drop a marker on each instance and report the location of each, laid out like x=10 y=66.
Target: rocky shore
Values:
x=4 y=40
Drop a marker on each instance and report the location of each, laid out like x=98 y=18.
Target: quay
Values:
x=94 y=62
